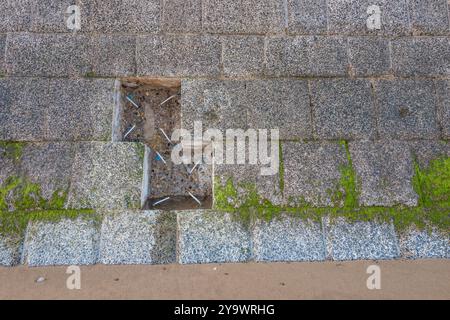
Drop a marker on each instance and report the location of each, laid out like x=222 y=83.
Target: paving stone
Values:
x=49 y=165
x=211 y=237
x=243 y=56
x=70 y=55
x=307 y=16
x=50 y=15
x=80 y=110
x=66 y=242
x=120 y=16
x=369 y=56
x=249 y=16
x=429 y=16
x=307 y=56
x=423 y=244
x=343 y=109
x=421 y=56
x=360 y=240
x=280 y=104
x=217 y=104
x=350 y=17
x=443 y=91
x=384 y=172
x=288 y=239
x=9 y=161
x=2 y=53
x=138 y=237
x=312 y=172
x=22 y=109
x=10 y=250
x=178 y=55
x=407 y=109
x=182 y=16
x=107 y=175
x=424 y=151
x=15 y=15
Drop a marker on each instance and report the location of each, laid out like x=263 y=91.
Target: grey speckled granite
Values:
x=10 y=250
x=209 y=237
x=66 y=242
x=360 y=240
x=138 y=237
x=289 y=239
x=424 y=244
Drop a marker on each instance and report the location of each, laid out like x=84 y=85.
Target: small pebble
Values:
x=40 y=280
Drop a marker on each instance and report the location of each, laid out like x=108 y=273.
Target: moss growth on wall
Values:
x=11 y=150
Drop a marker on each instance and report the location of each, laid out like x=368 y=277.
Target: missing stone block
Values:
x=149 y=110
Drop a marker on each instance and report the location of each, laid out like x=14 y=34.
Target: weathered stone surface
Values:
x=66 y=242
x=243 y=56
x=49 y=165
x=422 y=244
x=384 y=171
x=16 y=15
x=22 y=109
x=218 y=104
x=421 y=56
x=10 y=250
x=211 y=237
x=50 y=15
x=443 y=91
x=9 y=161
x=182 y=16
x=178 y=55
x=343 y=109
x=280 y=104
x=426 y=151
x=138 y=237
x=350 y=16
x=80 y=110
x=429 y=16
x=288 y=239
x=369 y=56
x=249 y=16
x=307 y=56
x=307 y=17
x=120 y=16
x=312 y=172
x=2 y=53
x=407 y=109
x=360 y=240
x=107 y=175
x=70 y=55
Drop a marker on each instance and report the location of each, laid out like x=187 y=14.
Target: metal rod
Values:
x=165 y=135
x=192 y=170
x=160 y=156
x=193 y=197
x=168 y=99
x=129 y=131
x=161 y=201
x=132 y=102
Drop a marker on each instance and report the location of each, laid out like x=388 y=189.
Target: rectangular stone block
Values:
x=62 y=55
x=65 y=242
x=425 y=151
x=16 y=15
x=407 y=109
x=287 y=239
x=243 y=56
x=421 y=56
x=107 y=176
x=50 y=15
x=307 y=16
x=443 y=91
x=343 y=109
x=280 y=104
x=10 y=157
x=11 y=246
x=22 y=109
x=350 y=17
x=312 y=172
x=120 y=16
x=369 y=56
x=211 y=237
x=429 y=16
x=79 y=110
x=360 y=240
x=138 y=237
x=178 y=55
x=423 y=244
x=248 y=16
x=384 y=172
x=307 y=56
x=182 y=16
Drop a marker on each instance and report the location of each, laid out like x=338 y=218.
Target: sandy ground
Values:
x=425 y=279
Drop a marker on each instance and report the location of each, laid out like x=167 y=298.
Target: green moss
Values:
x=431 y=184
x=12 y=150
x=90 y=74
x=140 y=150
